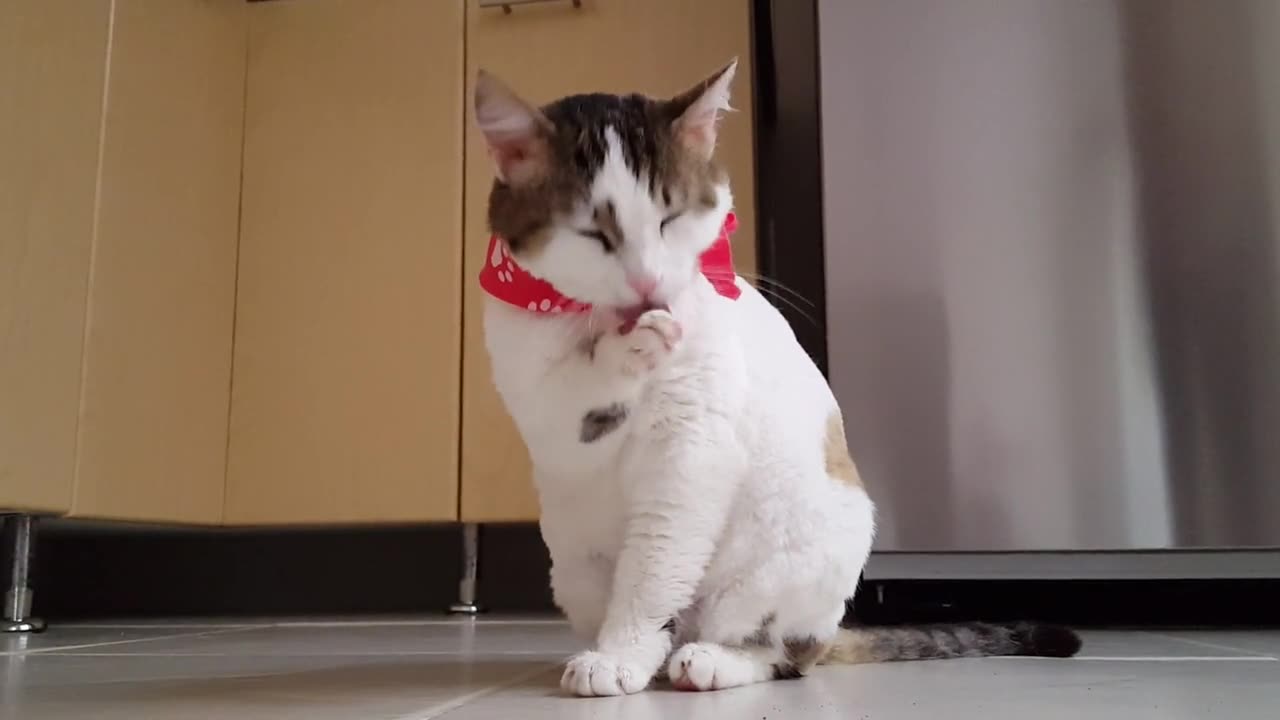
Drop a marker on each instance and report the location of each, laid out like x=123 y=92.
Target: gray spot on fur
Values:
x=800 y=655
x=602 y=421
x=762 y=637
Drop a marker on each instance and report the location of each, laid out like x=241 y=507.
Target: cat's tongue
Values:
x=629 y=315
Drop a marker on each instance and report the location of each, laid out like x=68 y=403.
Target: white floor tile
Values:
x=422 y=668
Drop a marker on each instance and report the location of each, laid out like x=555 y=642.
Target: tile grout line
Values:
x=425 y=623
x=73 y=652
x=323 y=624
x=109 y=643
x=1207 y=644
x=1147 y=658
x=449 y=706
x=211 y=627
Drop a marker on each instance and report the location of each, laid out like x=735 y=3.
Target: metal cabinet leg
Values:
x=20 y=535
x=466 y=604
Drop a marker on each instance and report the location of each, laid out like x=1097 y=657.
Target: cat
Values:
x=703 y=514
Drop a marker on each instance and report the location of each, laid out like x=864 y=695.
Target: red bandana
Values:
x=505 y=280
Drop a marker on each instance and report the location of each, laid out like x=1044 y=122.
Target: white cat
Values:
x=690 y=459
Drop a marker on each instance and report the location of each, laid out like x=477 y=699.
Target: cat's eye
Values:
x=667 y=220
x=598 y=237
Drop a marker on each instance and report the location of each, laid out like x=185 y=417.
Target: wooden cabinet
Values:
x=157 y=349
x=52 y=63
x=545 y=51
x=348 y=320
x=119 y=186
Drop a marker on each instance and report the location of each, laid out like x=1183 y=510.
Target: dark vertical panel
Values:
x=789 y=166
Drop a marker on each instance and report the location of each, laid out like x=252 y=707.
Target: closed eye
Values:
x=598 y=237
x=666 y=220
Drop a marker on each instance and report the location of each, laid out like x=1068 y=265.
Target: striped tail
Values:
x=964 y=640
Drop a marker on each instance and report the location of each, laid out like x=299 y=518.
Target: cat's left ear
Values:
x=517 y=133
x=697 y=110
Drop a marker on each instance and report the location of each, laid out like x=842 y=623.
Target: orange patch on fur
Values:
x=839 y=464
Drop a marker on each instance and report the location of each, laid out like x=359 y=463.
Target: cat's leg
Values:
x=577 y=530
x=679 y=491
x=670 y=536
x=677 y=480
x=776 y=620
x=736 y=643
x=717 y=666
x=787 y=644
x=580 y=585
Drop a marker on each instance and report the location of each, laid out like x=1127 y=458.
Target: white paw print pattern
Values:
x=544 y=305
x=496 y=258
x=505 y=269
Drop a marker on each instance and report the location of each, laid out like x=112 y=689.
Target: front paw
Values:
x=644 y=344
x=595 y=674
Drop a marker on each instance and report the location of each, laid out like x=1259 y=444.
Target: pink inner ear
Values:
x=699 y=131
x=509 y=154
x=517 y=157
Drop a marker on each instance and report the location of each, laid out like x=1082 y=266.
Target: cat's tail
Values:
x=964 y=640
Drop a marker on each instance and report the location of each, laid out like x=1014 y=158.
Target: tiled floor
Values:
x=416 y=669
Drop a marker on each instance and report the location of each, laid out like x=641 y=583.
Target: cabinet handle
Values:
x=506 y=4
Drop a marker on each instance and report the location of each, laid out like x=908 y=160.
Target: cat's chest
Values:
x=571 y=420
x=568 y=428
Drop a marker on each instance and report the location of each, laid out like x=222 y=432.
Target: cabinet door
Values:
x=545 y=51
x=52 y=62
x=157 y=354
x=345 y=400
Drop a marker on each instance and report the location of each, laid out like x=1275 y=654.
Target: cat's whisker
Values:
x=722 y=275
x=774 y=282
x=772 y=291
x=780 y=298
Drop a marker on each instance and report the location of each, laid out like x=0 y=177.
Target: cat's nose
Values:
x=644 y=284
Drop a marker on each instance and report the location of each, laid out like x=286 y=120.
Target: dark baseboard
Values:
x=1081 y=603
x=88 y=572
x=107 y=572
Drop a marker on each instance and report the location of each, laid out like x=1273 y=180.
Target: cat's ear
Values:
x=697 y=110
x=517 y=133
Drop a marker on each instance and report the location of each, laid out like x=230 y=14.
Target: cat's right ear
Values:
x=517 y=133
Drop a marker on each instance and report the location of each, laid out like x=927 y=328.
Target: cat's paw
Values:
x=594 y=674
x=707 y=666
x=647 y=342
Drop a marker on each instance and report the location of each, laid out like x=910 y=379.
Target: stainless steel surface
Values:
x=1052 y=269
x=466 y=604
x=19 y=531
x=1050 y=565
x=506 y=5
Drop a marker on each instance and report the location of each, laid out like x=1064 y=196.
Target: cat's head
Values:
x=610 y=198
